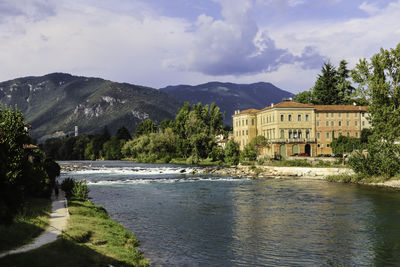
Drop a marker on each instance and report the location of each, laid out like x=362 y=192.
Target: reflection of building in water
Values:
x=294 y=128
x=302 y=223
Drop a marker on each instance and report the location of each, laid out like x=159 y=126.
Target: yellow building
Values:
x=296 y=128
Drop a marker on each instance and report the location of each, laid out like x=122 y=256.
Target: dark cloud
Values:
x=236 y=46
x=31 y=9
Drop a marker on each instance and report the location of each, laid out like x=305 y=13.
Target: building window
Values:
x=357 y=134
x=331 y=115
x=340 y=133
x=319 y=135
x=242 y=122
x=307 y=134
x=317 y=123
x=327 y=115
x=348 y=134
x=246 y=122
x=348 y=123
x=252 y=122
x=327 y=123
x=363 y=123
x=299 y=117
x=242 y=132
x=340 y=122
x=307 y=117
x=327 y=135
x=332 y=123
x=290 y=134
x=282 y=117
x=327 y=145
x=317 y=115
x=290 y=117
x=362 y=114
x=282 y=134
x=300 y=134
x=340 y=115
x=356 y=123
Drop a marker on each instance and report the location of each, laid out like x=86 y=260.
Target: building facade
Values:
x=295 y=128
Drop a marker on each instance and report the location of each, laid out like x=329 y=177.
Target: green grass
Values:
x=358 y=178
x=91 y=239
x=27 y=225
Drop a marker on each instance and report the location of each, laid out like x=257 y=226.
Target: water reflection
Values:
x=253 y=222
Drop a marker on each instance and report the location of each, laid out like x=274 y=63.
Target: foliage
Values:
x=382 y=159
x=232 y=153
x=304 y=97
x=379 y=80
x=75 y=189
x=344 y=144
x=123 y=134
x=145 y=127
x=111 y=149
x=331 y=88
x=80 y=190
x=104 y=243
x=379 y=83
x=67 y=185
x=24 y=171
x=249 y=153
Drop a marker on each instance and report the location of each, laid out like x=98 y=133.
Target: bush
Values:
x=80 y=190
x=75 y=189
x=67 y=185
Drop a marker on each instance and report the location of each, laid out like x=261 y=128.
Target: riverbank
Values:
x=91 y=239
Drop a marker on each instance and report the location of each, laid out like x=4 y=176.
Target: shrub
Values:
x=66 y=185
x=80 y=190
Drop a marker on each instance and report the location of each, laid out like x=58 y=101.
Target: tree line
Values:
x=25 y=171
x=377 y=85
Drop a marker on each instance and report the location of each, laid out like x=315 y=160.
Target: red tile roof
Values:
x=249 y=111
x=332 y=108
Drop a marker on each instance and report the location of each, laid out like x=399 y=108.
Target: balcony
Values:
x=293 y=140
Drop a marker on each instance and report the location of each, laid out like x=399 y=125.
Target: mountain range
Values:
x=230 y=96
x=55 y=103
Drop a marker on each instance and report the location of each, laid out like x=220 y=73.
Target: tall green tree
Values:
x=304 y=97
x=325 y=90
x=344 y=88
x=379 y=80
x=145 y=127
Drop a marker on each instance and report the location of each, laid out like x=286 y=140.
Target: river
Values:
x=201 y=220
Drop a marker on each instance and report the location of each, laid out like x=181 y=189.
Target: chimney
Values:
x=272 y=105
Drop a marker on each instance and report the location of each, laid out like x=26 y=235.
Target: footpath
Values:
x=58 y=222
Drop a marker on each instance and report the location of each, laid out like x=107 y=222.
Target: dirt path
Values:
x=58 y=221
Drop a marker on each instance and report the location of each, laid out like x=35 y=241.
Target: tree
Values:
x=325 y=90
x=379 y=82
x=304 y=97
x=123 y=134
x=232 y=153
x=344 y=88
x=145 y=127
x=258 y=143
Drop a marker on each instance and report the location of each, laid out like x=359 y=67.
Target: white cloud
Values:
x=369 y=8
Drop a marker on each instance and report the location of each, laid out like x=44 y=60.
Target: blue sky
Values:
x=167 y=42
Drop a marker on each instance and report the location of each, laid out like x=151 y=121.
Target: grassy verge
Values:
x=91 y=239
x=358 y=178
x=27 y=225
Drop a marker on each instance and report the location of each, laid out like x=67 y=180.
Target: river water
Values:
x=200 y=220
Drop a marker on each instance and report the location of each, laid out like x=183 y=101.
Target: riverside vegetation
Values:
x=27 y=179
x=190 y=138
x=91 y=239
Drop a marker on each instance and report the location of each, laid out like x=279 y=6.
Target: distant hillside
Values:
x=55 y=103
x=229 y=96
